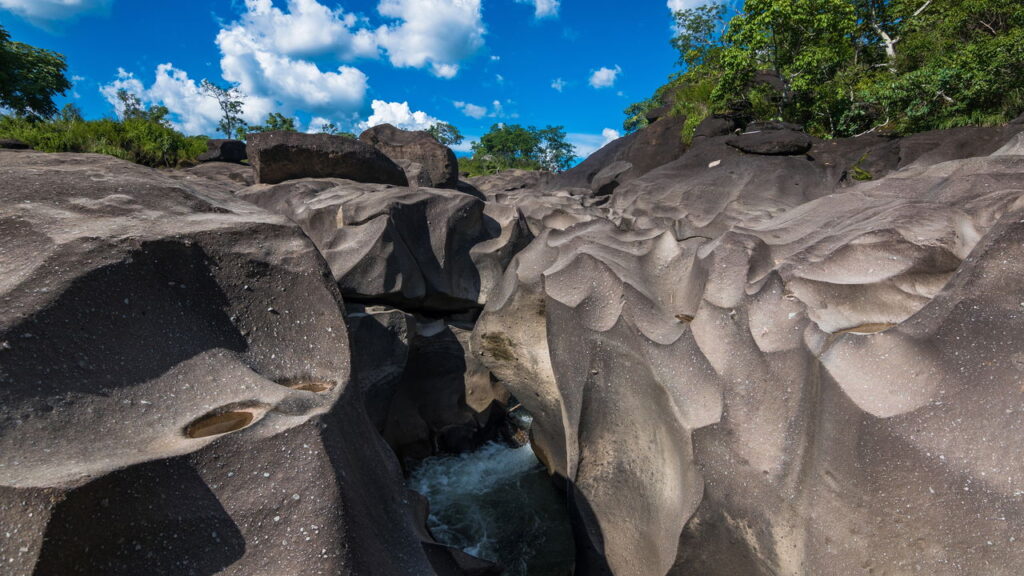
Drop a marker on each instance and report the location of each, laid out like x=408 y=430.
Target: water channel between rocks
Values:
x=498 y=503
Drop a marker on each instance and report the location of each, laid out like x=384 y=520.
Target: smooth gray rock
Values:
x=174 y=368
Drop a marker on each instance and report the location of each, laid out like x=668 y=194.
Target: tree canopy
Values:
x=30 y=78
x=446 y=134
x=512 y=146
x=845 y=67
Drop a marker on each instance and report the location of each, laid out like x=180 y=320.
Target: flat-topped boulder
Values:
x=280 y=156
x=434 y=163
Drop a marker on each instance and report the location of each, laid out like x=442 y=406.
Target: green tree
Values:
x=275 y=122
x=30 y=78
x=512 y=146
x=231 y=103
x=446 y=134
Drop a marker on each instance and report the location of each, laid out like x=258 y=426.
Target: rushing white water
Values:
x=498 y=503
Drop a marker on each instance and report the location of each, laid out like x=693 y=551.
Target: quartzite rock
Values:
x=281 y=156
x=438 y=167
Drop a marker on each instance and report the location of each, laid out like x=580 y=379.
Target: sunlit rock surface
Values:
x=759 y=365
x=737 y=363
x=175 y=388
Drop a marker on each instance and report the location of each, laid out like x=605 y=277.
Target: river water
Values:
x=498 y=503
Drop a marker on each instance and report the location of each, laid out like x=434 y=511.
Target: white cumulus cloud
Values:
x=543 y=8
x=605 y=77
x=434 y=33
x=47 y=11
x=677 y=5
x=399 y=115
x=192 y=112
x=307 y=28
x=559 y=84
x=609 y=135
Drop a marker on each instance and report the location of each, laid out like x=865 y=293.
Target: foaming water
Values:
x=498 y=503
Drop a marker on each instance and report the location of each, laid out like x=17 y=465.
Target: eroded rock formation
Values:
x=768 y=355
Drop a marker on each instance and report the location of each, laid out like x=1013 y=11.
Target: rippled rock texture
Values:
x=757 y=364
x=737 y=362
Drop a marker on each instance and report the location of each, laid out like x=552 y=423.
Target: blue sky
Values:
x=356 y=63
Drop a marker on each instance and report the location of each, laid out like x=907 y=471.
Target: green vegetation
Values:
x=231 y=102
x=846 y=67
x=275 y=122
x=30 y=77
x=511 y=146
x=143 y=136
x=446 y=134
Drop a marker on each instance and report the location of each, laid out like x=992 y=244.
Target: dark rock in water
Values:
x=426 y=249
x=772 y=142
x=281 y=156
x=437 y=165
x=224 y=151
x=607 y=180
x=174 y=369
x=12 y=144
x=646 y=149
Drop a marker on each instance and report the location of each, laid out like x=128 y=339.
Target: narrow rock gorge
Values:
x=758 y=354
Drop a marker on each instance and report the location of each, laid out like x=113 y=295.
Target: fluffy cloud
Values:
x=192 y=112
x=558 y=84
x=543 y=8
x=397 y=114
x=307 y=28
x=434 y=33
x=605 y=77
x=261 y=72
x=497 y=110
x=587 y=144
x=46 y=11
x=472 y=110
x=677 y=5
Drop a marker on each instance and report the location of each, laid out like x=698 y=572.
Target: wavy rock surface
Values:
x=758 y=365
x=417 y=249
x=174 y=387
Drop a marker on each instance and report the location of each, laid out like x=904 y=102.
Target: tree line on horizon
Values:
x=847 y=67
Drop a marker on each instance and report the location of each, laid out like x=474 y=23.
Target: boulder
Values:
x=426 y=250
x=174 y=367
x=646 y=149
x=716 y=125
x=771 y=141
x=232 y=151
x=281 y=156
x=13 y=144
x=438 y=167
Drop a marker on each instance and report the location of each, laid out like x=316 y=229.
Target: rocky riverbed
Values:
x=759 y=354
